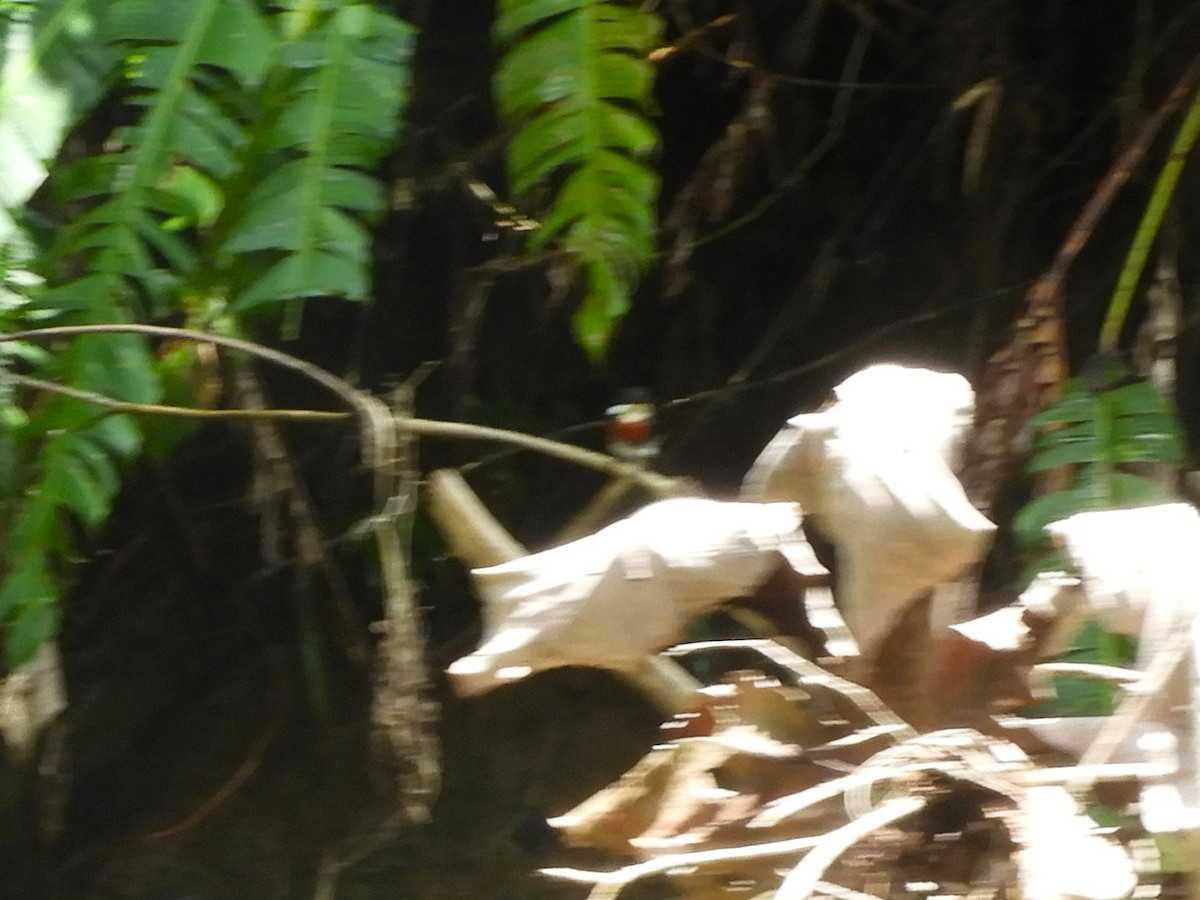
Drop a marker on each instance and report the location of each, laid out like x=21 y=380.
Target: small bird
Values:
x=629 y=430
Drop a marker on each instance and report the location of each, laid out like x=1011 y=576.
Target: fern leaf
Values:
x=1098 y=428
x=345 y=86
x=576 y=86
x=71 y=473
x=70 y=449
x=177 y=53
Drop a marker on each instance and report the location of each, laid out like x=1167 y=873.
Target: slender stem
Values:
x=177 y=412
x=361 y=401
x=1143 y=240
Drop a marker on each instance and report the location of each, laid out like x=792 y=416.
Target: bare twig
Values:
x=348 y=393
x=669 y=861
x=783 y=808
x=1091 y=670
x=837 y=124
x=803 y=880
x=176 y=412
x=403 y=710
x=360 y=401
x=809 y=673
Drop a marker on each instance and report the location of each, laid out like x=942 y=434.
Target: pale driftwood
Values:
x=876 y=470
x=612 y=598
x=473 y=533
x=481 y=541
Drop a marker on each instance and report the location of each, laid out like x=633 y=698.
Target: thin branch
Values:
x=837 y=124
x=361 y=401
x=1119 y=173
x=697 y=859
x=347 y=392
x=281 y=481
x=808 y=674
x=1091 y=670
x=692 y=38
x=803 y=880
x=240 y=775
x=176 y=412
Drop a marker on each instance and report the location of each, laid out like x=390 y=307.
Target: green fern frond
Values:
x=345 y=84
x=64 y=457
x=69 y=474
x=251 y=150
x=177 y=53
x=1103 y=423
x=576 y=86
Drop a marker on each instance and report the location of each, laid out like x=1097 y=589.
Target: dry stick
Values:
x=696 y=859
x=177 y=412
x=802 y=881
x=360 y=400
x=791 y=805
x=236 y=780
x=810 y=674
x=691 y=38
x=703 y=858
x=833 y=133
x=403 y=709
x=1133 y=709
x=838 y=892
x=1091 y=670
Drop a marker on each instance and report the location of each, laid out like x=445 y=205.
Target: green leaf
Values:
x=27 y=583
x=1075 y=452
x=71 y=484
x=192 y=198
x=1093 y=491
x=575 y=85
x=1129 y=423
x=1069 y=409
x=240 y=43
x=342 y=88
x=10 y=459
x=181 y=55
x=116 y=365
x=514 y=17
x=316 y=274
x=1138 y=398
x=1030 y=522
x=1074 y=696
x=34 y=624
